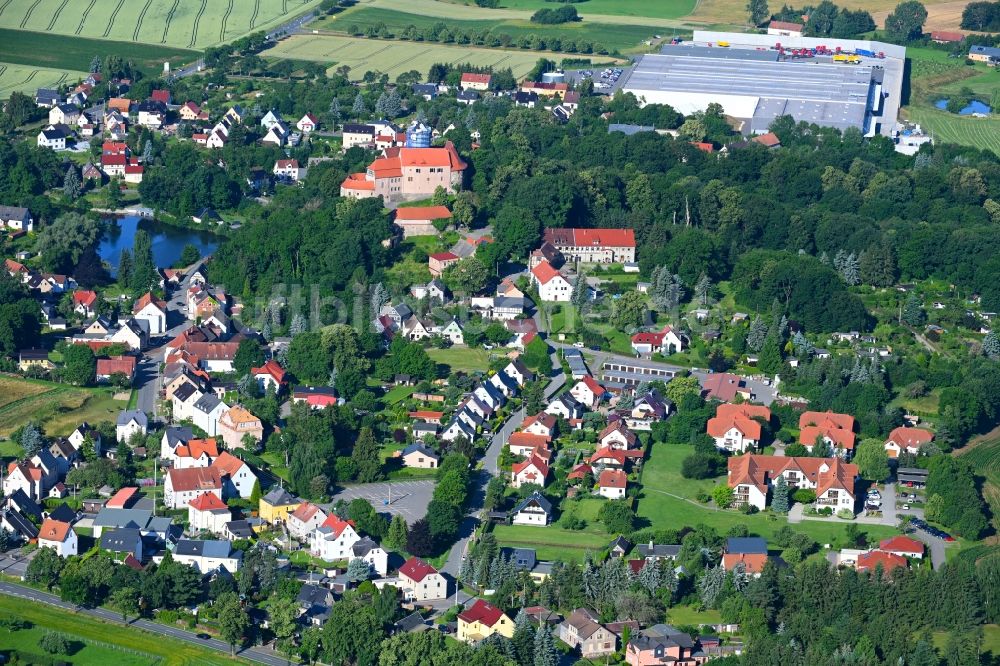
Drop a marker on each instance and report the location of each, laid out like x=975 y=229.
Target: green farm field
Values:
x=21 y=78
x=394 y=58
x=613 y=36
x=661 y=13
x=40 y=50
x=950 y=128
x=185 y=24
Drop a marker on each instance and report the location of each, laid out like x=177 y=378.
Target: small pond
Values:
x=168 y=241
x=974 y=107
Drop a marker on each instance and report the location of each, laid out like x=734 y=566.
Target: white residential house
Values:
x=289 y=169
x=206 y=413
x=208 y=513
x=519 y=373
x=534 y=470
x=367 y=550
x=304 y=520
x=54 y=137
x=333 y=539
x=208 y=556
x=181 y=486
x=553 y=287
x=153 y=311
x=271 y=119
x=130 y=422
x=565 y=406
x=612 y=484
x=16 y=218
x=64 y=114
x=533 y=510
x=59 y=536
x=420 y=581
x=238 y=479
x=307 y=123
x=588 y=392
x=453 y=332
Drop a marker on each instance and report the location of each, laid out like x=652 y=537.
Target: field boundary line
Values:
x=225 y=20
x=170 y=18
x=4 y=6
x=3 y=68
x=27 y=14
x=256 y=11
x=138 y=23
x=83 y=18
x=197 y=20
x=114 y=15
x=55 y=16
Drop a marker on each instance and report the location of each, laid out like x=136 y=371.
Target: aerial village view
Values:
x=500 y=332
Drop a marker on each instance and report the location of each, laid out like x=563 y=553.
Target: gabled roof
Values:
x=149 y=299
x=592 y=384
x=533 y=461
x=278 y=496
x=196 y=448
x=534 y=499
x=423 y=213
x=195 y=478
x=888 y=561
x=910 y=437
x=335 y=526
x=545 y=273
x=474 y=77
x=570 y=237
x=826 y=473
x=116 y=364
x=416 y=569
x=618 y=426
x=227 y=463
x=123 y=498
x=482 y=612
x=742 y=417
x=901 y=544
x=605 y=452
x=612 y=478
x=208 y=502
x=54 y=530
x=753 y=563
x=544 y=419
x=304 y=512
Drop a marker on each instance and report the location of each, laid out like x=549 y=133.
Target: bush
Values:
x=804 y=496
x=702 y=465
x=845 y=514
x=54 y=643
x=564 y=14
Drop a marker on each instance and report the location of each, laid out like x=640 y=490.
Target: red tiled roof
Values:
x=579 y=471
x=594 y=387
x=946 y=36
x=483 y=612
x=703 y=146
x=123 y=498
x=742 y=416
x=109 y=366
x=757 y=470
x=195 y=448
x=194 y=478
x=827 y=419
x=753 y=562
x=336 y=524
x=889 y=561
x=545 y=419
x=426 y=414
x=722 y=386
x=53 y=530
x=605 y=452
x=160 y=96
x=423 y=213
x=84 y=297
x=472 y=77
x=287 y=164
x=785 y=25
x=443 y=256
x=271 y=368
x=358 y=181
x=910 y=437
x=562 y=237
x=532 y=461
x=416 y=569
x=770 y=140
x=305 y=511
x=228 y=463
x=544 y=272
x=612 y=478
x=207 y=502
x=901 y=544
x=527 y=439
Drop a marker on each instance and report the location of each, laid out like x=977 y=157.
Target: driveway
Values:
x=255 y=654
x=408 y=499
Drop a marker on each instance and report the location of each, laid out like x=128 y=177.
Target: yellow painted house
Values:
x=276 y=505
x=481 y=620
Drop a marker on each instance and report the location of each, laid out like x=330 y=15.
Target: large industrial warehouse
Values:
x=755 y=83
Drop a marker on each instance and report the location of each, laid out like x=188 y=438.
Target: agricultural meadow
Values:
x=394 y=57
x=187 y=24
x=985 y=459
x=58 y=408
x=24 y=78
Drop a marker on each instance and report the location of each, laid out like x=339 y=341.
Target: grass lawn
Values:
x=663 y=471
x=692 y=616
x=991 y=642
x=13 y=389
x=950 y=128
x=622 y=8
x=277 y=464
x=662 y=475
x=9 y=449
x=467 y=359
x=552 y=542
x=397 y=394
x=57 y=407
x=98 y=643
